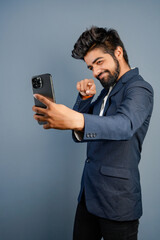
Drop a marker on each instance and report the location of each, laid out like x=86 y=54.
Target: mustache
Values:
x=106 y=71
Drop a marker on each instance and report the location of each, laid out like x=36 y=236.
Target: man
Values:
x=114 y=127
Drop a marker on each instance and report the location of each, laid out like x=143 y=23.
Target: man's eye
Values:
x=99 y=62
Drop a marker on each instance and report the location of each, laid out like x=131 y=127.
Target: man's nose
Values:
x=96 y=72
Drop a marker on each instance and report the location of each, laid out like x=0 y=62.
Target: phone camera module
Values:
x=37 y=82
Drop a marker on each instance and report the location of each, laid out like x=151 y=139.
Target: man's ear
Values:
x=118 y=53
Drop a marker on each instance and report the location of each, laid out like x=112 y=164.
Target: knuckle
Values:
x=49 y=114
x=48 y=107
x=49 y=104
x=86 y=80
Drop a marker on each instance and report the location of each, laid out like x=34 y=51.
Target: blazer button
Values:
x=88 y=160
x=88 y=135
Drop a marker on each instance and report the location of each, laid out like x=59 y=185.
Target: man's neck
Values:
x=123 y=69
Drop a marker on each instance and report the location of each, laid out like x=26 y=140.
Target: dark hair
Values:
x=95 y=37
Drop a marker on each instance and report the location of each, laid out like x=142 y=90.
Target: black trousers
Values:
x=90 y=227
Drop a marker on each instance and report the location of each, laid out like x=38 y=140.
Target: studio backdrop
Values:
x=40 y=170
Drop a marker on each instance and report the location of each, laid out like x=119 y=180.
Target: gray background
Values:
x=40 y=170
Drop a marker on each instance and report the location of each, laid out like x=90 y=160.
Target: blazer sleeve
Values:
x=83 y=106
x=133 y=112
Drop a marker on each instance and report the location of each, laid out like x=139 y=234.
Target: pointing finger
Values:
x=91 y=86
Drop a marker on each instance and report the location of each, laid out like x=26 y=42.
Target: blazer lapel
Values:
x=126 y=77
x=116 y=89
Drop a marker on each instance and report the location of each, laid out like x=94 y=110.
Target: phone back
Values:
x=43 y=84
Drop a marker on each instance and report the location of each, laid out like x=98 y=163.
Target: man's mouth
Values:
x=102 y=75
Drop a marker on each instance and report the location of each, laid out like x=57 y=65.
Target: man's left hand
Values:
x=58 y=116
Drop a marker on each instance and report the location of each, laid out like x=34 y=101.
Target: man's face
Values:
x=104 y=67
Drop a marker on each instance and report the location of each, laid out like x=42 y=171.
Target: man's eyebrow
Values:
x=95 y=60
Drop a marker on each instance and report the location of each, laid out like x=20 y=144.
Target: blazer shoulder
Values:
x=138 y=81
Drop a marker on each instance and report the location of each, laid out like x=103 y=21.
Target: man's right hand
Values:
x=86 y=87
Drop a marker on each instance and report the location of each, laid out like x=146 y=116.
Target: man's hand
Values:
x=86 y=87
x=58 y=116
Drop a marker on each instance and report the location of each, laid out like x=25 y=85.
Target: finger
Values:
x=39 y=110
x=82 y=86
x=90 y=92
x=33 y=108
x=85 y=84
x=43 y=99
x=78 y=86
x=88 y=83
x=92 y=88
x=46 y=126
x=91 y=85
x=40 y=118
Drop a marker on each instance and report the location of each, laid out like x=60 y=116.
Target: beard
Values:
x=112 y=78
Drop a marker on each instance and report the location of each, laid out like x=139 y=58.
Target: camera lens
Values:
x=37 y=82
x=34 y=80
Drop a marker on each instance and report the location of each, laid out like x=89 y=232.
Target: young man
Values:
x=114 y=127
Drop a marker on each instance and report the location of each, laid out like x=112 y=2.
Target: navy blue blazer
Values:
x=111 y=179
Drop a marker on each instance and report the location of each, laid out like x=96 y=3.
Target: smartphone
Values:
x=43 y=84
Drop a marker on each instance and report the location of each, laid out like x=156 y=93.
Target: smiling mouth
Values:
x=101 y=75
